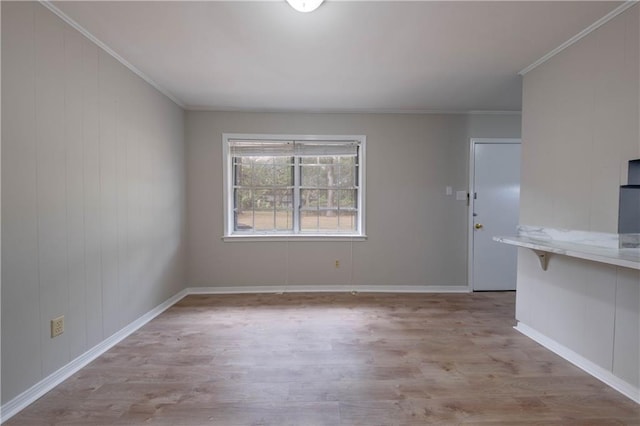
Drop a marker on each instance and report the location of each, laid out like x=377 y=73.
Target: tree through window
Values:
x=297 y=186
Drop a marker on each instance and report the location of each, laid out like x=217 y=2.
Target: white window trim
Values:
x=227 y=170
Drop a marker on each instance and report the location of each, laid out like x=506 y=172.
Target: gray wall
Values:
x=580 y=127
x=0 y=208
x=93 y=197
x=417 y=234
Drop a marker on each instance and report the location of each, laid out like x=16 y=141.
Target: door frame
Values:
x=471 y=198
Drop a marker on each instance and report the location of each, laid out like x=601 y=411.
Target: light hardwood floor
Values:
x=332 y=359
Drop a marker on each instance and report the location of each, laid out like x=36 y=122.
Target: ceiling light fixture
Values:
x=305 y=5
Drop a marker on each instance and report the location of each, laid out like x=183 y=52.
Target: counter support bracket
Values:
x=543 y=257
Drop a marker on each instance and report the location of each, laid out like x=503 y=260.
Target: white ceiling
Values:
x=345 y=56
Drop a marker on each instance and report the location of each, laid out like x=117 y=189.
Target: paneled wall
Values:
x=580 y=128
x=93 y=196
x=0 y=204
x=416 y=233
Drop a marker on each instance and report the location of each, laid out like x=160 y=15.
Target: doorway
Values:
x=494 y=205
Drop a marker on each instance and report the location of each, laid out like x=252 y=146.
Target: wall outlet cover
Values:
x=57 y=326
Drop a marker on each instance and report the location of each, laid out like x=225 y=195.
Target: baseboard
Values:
x=329 y=289
x=602 y=374
x=29 y=396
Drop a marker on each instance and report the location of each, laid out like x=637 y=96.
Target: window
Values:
x=302 y=186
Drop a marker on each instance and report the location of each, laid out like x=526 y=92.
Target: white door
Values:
x=495 y=211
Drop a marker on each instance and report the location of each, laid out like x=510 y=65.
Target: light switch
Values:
x=449 y=190
x=461 y=195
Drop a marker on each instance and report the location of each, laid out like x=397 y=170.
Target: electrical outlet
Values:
x=337 y=264
x=57 y=326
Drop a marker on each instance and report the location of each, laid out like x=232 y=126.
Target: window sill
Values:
x=315 y=237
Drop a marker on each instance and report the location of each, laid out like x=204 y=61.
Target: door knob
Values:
x=478 y=226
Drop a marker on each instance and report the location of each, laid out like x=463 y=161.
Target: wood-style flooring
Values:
x=332 y=359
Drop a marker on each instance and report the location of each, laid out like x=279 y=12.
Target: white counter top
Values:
x=625 y=257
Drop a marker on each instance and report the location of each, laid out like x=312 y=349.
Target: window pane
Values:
x=244 y=220
x=263 y=199
x=310 y=176
x=284 y=220
x=309 y=220
x=283 y=160
x=346 y=176
x=331 y=175
x=243 y=209
x=347 y=221
x=263 y=207
x=328 y=220
x=325 y=199
x=243 y=173
x=283 y=199
x=322 y=221
x=333 y=172
x=263 y=173
x=308 y=199
x=243 y=199
x=264 y=220
x=347 y=199
x=283 y=175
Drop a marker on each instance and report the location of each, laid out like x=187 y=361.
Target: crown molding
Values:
x=353 y=111
x=146 y=78
x=109 y=50
x=491 y=112
x=591 y=28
